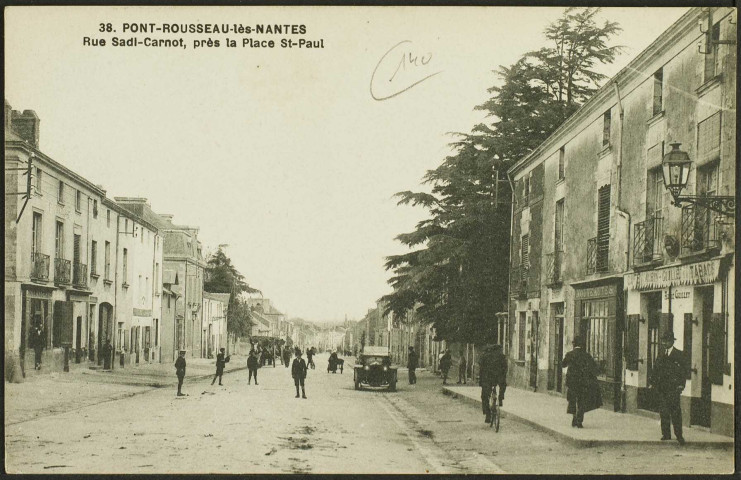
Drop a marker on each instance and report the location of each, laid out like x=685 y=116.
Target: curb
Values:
x=165 y=383
x=585 y=442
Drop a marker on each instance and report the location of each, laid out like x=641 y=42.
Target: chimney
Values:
x=26 y=125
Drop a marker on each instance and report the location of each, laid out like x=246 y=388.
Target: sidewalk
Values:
x=547 y=413
x=53 y=393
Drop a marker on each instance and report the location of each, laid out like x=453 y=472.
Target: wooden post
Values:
x=66 y=358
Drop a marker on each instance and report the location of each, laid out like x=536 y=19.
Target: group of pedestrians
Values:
x=298 y=369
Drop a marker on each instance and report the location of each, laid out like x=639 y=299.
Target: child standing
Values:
x=298 y=372
x=220 y=364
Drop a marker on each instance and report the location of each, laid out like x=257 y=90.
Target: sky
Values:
x=291 y=156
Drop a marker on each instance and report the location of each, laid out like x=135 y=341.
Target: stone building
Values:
x=214 y=332
x=599 y=250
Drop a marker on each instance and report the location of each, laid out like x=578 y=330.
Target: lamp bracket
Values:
x=723 y=204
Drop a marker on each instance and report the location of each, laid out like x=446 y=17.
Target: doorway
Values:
x=534 y=350
x=652 y=350
x=701 y=411
x=78 y=340
x=558 y=313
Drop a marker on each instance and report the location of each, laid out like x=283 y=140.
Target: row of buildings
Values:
x=91 y=269
x=599 y=247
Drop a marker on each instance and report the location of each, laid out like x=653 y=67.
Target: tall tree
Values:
x=456 y=273
x=223 y=277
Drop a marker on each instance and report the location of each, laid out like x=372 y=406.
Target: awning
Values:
x=700 y=273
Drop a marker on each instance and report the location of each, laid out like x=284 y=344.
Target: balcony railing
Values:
x=62 y=271
x=39 y=266
x=699 y=230
x=79 y=275
x=553 y=267
x=597 y=253
x=647 y=241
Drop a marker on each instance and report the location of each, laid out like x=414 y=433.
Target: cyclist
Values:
x=493 y=371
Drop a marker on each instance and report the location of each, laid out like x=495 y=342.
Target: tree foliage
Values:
x=455 y=275
x=223 y=277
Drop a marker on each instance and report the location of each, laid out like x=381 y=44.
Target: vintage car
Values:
x=373 y=369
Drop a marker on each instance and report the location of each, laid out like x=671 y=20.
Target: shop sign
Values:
x=595 y=292
x=676 y=294
x=701 y=273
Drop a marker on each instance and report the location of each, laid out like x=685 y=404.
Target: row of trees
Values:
x=223 y=277
x=457 y=270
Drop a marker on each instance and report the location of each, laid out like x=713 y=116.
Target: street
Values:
x=241 y=428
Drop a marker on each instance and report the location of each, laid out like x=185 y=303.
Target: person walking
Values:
x=286 y=356
x=221 y=362
x=668 y=378
x=462 y=367
x=252 y=364
x=412 y=364
x=180 y=371
x=583 y=391
x=310 y=356
x=298 y=372
x=445 y=364
x=37 y=343
x=493 y=371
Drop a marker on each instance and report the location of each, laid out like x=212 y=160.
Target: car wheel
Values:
x=392 y=386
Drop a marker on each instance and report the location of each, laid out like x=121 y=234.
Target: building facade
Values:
x=599 y=250
x=214 y=331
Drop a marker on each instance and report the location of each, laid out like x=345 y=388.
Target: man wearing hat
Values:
x=180 y=371
x=493 y=371
x=668 y=378
x=583 y=391
x=412 y=363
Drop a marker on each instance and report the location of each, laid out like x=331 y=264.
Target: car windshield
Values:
x=375 y=359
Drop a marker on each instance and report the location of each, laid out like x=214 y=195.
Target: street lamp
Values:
x=676 y=171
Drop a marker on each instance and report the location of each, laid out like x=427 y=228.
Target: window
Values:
x=600 y=333
x=95 y=209
x=93 y=257
x=562 y=163
x=169 y=305
x=60 y=192
x=658 y=106
x=125 y=268
x=526 y=190
x=38 y=181
x=107 y=265
x=76 y=239
x=36 y=232
x=156 y=331
x=157 y=278
x=606 y=123
x=78 y=200
x=707 y=181
x=525 y=252
x=141 y=237
x=708 y=138
x=558 y=233
x=126 y=225
x=521 y=337
x=108 y=218
x=712 y=57
x=59 y=240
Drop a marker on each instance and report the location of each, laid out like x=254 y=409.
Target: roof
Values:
x=375 y=350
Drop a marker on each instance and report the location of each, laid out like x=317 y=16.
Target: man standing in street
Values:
x=581 y=380
x=221 y=362
x=180 y=371
x=106 y=352
x=298 y=372
x=286 y=356
x=412 y=363
x=493 y=371
x=445 y=364
x=668 y=378
x=252 y=364
x=37 y=342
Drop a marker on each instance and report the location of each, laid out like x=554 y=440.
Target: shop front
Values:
x=598 y=319
x=691 y=301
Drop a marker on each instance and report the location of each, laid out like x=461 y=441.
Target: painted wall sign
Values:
x=595 y=292
x=701 y=273
x=677 y=294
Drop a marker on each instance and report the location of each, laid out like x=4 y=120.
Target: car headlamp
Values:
x=385 y=368
x=367 y=367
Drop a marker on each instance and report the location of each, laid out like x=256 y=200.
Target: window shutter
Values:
x=716 y=349
x=688 y=341
x=666 y=323
x=632 y=337
x=125 y=341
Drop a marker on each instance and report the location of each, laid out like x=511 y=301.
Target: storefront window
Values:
x=599 y=334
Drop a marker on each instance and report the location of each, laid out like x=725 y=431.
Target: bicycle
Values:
x=494 y=409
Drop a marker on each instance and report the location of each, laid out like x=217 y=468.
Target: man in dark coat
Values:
x=180 y=371
x=252 y=364
x=106 y=351
x=221 y=362
x=581 y=380
x=298 y=372
x=445 y=364
x=310 y=356
x=412 y=364
x=493 y=371
x=286 y=356
x=668 y=378
x=37 y=343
